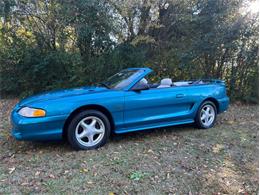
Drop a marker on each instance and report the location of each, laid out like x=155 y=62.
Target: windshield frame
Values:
x=131 y=80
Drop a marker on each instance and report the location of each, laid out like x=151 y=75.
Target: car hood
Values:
x=60 y=94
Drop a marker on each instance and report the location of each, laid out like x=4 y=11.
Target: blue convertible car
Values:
x=126 y=102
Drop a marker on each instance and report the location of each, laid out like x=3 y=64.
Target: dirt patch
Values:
x=182 y=160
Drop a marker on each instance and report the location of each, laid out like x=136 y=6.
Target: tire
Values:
x=206 y=115
x=88 y=130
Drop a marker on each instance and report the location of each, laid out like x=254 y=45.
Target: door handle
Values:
x=179 y=95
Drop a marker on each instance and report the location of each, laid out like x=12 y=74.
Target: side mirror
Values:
x=140 y=87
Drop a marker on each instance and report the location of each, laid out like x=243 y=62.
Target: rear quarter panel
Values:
x=196 y=94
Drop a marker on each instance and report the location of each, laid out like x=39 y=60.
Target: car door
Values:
x=155 y=107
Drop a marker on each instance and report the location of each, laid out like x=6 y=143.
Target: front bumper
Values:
x=37 y=129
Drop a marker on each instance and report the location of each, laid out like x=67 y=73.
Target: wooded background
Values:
x=50 y=44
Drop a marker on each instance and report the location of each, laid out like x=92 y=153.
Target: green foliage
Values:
x=47 y=45
x=137 y=175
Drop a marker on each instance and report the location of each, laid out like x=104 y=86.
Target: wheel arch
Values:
x=100 y=108
x=214 y=100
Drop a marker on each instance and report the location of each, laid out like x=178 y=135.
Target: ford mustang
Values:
x=127 y=101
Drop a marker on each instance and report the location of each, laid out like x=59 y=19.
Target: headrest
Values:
x=166 y=81
x=144 y=81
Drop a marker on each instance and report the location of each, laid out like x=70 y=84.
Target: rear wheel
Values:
x=206 y=115
x=88 y=130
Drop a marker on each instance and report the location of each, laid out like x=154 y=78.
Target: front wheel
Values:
x=206 y=115
x=88 y=130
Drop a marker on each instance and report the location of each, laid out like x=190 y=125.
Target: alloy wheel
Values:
x=90 y=131
x=207 y=115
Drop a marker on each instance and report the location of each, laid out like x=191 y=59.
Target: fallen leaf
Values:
x=230 y=122
x=52 y=176
x=241 y=190
x=84 y=170
x=37 y=173
x=11 y=170
x=218 y=148
x=150 y=151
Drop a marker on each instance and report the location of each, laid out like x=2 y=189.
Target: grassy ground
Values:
x=176 y=160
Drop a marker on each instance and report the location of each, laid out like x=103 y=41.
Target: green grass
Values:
x=176 y=160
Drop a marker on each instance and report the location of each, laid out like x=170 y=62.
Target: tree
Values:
x=53 y=44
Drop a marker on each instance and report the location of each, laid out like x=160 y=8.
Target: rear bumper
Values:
x=37 y=129
x=223 y=104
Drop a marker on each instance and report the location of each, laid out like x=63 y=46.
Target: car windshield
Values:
x=122 y=79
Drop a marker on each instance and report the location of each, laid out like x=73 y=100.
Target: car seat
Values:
x=167 y=82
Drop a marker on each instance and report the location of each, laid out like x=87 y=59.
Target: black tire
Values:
x=198 y=120
x=71 y=133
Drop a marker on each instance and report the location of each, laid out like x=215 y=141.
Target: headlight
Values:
x=32 y=112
